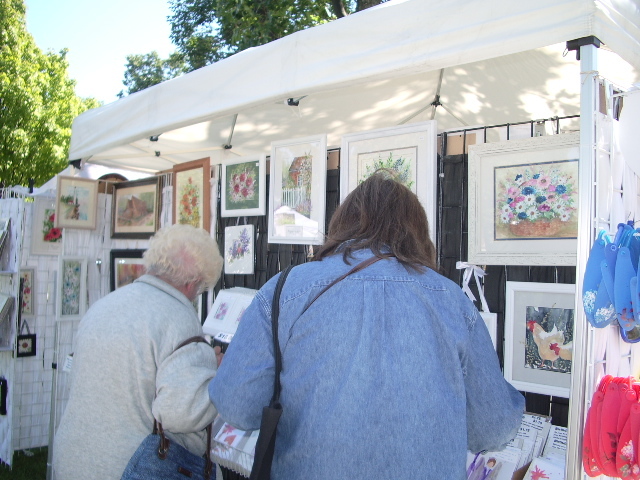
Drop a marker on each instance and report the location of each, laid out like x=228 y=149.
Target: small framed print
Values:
x=136 y=208
x=538 y=346
x=126 y=267
x=298 y=178
x=243 y=190
x=27 y=275
x=191 y=192
x=76 y=203
x=46 y=238
x=72 y=287
x=26 y=345
x=238 y=250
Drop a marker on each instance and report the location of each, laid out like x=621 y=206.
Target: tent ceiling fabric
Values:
x=502 y=62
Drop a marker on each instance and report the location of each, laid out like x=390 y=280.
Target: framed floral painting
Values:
x=408 y=150
x=538 y=337
x=136 y=208
x=76 y=203
x=72 y=287
x=27 y=277
x=243 y=187
x=126 y=266
x=191 y=192
x=298 y=178
x=238 y=250
x=46 y=238
x=523 y=201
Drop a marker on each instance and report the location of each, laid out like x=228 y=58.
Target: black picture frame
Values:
x=121 y=258
x=26 y=345
x=135 y=209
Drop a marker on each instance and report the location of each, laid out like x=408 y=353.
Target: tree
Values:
x=205 y=31
x=149 y=69
x=37 y=103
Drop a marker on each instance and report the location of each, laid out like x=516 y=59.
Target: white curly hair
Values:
x=182 y=254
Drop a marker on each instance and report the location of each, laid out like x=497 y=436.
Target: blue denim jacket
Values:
x=389 y=374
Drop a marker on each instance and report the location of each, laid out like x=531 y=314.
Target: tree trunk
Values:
x=338 y=8
x=364 y=4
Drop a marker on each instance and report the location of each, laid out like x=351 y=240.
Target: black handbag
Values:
x=156 y=457
x=266 y=443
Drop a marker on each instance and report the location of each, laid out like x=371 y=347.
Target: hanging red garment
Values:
x=590 y=440
x=627 y=456
x=608 y=438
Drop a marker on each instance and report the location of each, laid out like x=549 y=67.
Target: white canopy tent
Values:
x=487 y=61
x=380 y=67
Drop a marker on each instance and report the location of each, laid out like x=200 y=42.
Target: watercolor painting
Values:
x=549 y=339
x=71 y=287
x=135 y=208
x=191 y=191
x=238 y=250
x=76 y=203
x=243 y=186
x=536 y=201
x=402 y=161
x=27 y=277
x=46 y=238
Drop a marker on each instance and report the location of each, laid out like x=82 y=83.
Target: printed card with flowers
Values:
x=243 y=187
x=523 y=201
x=226 y=312
x=27 y=275
x=238 y=250
x=46 y=238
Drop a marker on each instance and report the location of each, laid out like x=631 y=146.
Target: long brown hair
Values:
x=384 y=216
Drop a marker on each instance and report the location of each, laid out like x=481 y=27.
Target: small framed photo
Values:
x=72 y=287
x=136 y=208
x=538 y=348
x=46 y=238
x=243 y=191
x=408 y=150
x=126 y=266
x=298 y=178
x=27 y=275
x=77 y=201
x=238 y=250
x=191 y=192
x=523 y=201
x=26 y=345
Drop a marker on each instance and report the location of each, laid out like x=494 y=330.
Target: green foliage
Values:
x=27 y=464
x=205 y=31
x=37 y=103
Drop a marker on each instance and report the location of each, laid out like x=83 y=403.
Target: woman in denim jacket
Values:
x=390 y=374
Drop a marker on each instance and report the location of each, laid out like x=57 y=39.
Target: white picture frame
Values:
x=414 y=145
x=297 y=190
x=499 y=174
x=239 y=250
x=46 y=238
x=539 y=321
x=243 y=187
x=72 y=288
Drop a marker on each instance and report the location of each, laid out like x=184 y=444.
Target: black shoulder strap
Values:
x=275 y=312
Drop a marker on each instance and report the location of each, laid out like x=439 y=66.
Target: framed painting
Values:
x=76 y=203
x=46 y=238
x=72 y=287
x=243 y=187
x=538 y=347
x=136 y=208
x=408 y=150
x=126 y=266
x=523 y=201
x=27 y=275
x=191 y=192
x=298 y=178
x=238 y=250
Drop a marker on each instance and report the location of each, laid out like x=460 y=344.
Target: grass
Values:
x=27 y=465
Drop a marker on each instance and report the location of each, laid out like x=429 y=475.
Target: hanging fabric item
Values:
x=590 y=440
x=592 y=281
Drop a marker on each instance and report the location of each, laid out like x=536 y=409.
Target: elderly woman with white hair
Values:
x=126 y=370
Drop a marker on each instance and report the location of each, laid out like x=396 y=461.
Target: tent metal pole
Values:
x=580 y=390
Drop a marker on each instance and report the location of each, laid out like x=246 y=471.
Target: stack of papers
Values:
x=226 y=313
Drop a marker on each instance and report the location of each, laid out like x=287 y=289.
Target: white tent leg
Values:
x=580 y=389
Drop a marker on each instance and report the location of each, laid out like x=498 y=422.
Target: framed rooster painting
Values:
x=538 y=344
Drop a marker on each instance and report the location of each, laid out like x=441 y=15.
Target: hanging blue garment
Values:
x=624 y=271
x=593 y=277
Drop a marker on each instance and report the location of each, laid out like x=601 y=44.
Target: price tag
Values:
x=68 y=362
x=223 y=337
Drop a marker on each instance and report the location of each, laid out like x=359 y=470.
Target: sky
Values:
x=99 y=35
